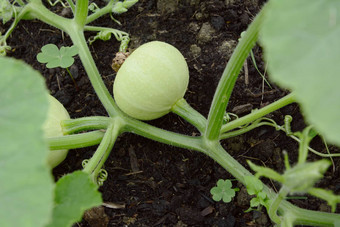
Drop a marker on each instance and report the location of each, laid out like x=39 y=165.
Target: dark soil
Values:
x=157 y=184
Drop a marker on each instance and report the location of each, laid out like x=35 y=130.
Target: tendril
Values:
x=84 y=162
x=102 y=176
x=56 y=2
x=106 y=34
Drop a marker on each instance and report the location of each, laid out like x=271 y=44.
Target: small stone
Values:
x=218 y=22
x=241 y=109
x=206 y=33
x=227 y=47
x=167 y=6
x=260 y=218
x=243 y=198
x=199 y=16
x=195 y=51
x=74 y=71
x=193 y=27
x=244 y=18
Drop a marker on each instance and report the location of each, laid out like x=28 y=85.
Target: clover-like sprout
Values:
x=55 y=57
x=223 y=191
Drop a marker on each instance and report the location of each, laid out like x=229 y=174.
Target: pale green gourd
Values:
x=52 y=128
x=151 y=80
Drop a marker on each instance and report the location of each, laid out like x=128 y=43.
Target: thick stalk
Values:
x=274 y=206
x=39 y=11
x=75 y=141
x=259 y=113
x=101 y=90
x=72 y=6
x=184 y=110
x=85 y=123
x=228 y=79
x=241 y=131
x=163 y=136
x=95 y=164
x=81 y=12
x=105 y=10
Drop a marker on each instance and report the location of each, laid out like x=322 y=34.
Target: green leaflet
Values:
x=55 y=57
x=223 y=191
x=26 y=186
x=74 y=194
x=6 y=11
x=302 y=48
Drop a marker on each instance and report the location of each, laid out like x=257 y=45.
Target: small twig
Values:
x=114 y=205
x=246 y=73
x=58 y=82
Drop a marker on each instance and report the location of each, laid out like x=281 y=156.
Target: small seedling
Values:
x=223 y=191
x=55 y=57
x=255 y=187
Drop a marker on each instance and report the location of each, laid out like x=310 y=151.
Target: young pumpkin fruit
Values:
x=151 y=80
x=52 y=128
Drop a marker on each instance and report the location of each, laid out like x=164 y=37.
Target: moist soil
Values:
x=152 y=184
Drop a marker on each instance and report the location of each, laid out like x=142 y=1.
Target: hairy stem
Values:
x=85 y=123
x=229 y=76
x=102 y=92
x=184 y=110
x=81 y=12
x=95 y=164
x=75 y=141
x=259 y=113
x=274 y=206
x=105 y=10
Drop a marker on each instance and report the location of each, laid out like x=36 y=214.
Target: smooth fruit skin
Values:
x=52 y=128
x=151 y=80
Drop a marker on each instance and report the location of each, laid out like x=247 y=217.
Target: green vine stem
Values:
x=228 y=79
x=72 y=6
x=117 y=33
x=103 y=11
x=75 y=141
x=81 y=12
x=305 y=139
x=93 y=167
x=288 y=99
x=37 y=9
x=101 y=90
x=243 y=130
x=274 y=206
x=184 y=110
x=163 y=136
x=84 y=124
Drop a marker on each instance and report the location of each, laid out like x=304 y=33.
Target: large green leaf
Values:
x=74 y=194
x=301 y=40
x=26 y=186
